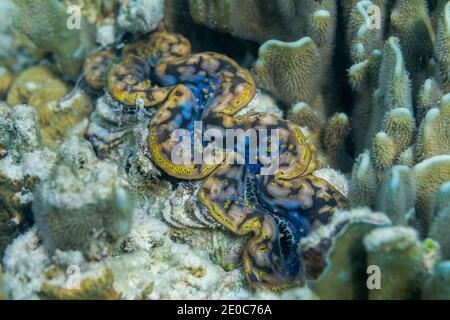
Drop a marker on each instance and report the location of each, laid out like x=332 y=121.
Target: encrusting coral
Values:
x=100 y=288
x=62 y=110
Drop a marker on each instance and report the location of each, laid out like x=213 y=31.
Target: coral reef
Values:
x=290 y=71
x=363 y=186
x=3 y=294
x=93 y=211
x=164 y=59
x=440 y=214
x=45 y=23
x=397 y=194
x=141 y=274
x=434 y=137
x=62 y=111
x=436 y=288
x=23 y=163
x=399 y=254
x=335 y=255
x=260 y=21
x=430 y=175
x=140 y=17
x=117 y=179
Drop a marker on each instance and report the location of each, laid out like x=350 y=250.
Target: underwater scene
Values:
x=224 y=149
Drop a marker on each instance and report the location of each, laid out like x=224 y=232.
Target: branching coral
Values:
x=290 y=71
x=429 y=96
x=337 y=130
x=430 y=175
x=251 y=19
x=434 y=132
x=443 y=44
x=397 y=194
x=410 y=20
x=394 y=89
x=363 y=186
x=440 y=219
x=407 y=93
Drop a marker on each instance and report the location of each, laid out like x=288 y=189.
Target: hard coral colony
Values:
x=116 y=157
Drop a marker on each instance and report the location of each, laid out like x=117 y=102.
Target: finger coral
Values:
x=410 y=20
x=434 y=132
x=290 y=71
x=430 y=175
x=441 y=209
x=443 y=44
x=397 y=194
x=436 y=288
x=363 y=186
